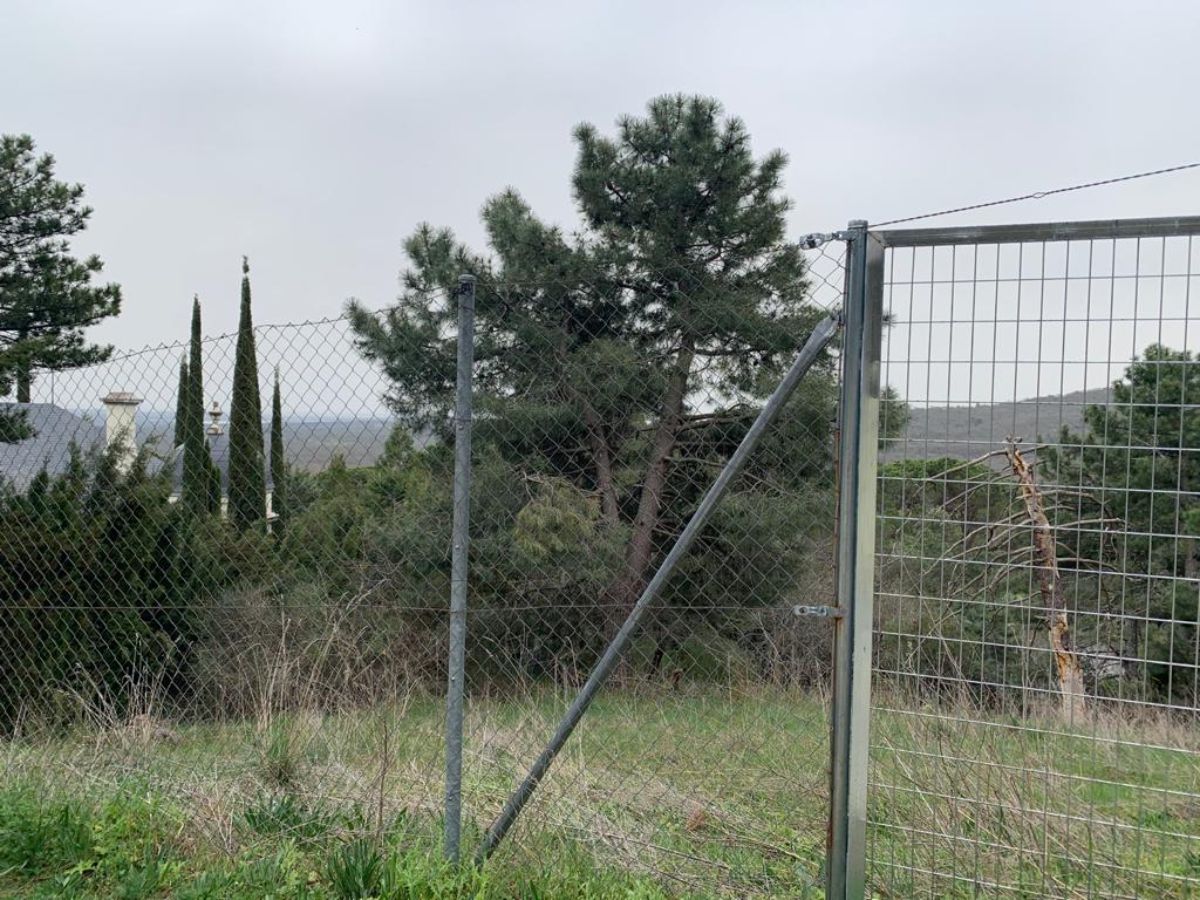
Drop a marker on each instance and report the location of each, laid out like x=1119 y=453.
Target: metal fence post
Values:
x=458 y=566
x=858 y=450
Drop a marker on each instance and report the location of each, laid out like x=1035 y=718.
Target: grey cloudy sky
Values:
x=315 y=136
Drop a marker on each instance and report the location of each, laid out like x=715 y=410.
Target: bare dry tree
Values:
x=1045 y=546
x=1002 y=536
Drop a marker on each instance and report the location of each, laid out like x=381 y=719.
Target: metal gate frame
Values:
x=857 y=477
x=858 y=452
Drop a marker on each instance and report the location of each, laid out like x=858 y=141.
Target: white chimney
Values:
x=120 y=427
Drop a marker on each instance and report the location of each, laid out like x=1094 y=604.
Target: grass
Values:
x=131 y=843
x=694 y=792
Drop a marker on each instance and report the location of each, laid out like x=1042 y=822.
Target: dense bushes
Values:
x=96 y=585
x=543 y=554
x=118 y=596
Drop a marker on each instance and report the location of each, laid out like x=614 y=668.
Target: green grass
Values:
x=697 y=792
x=131 y=844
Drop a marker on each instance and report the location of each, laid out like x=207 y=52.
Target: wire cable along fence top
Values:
x=1039 y=195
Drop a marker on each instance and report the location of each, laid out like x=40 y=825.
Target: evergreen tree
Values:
x=1135 y=470
x=278 y=465
x=181 y=403
x=14 y=426
x=618 y=356
x=212 y=481
x=63 y=627
x=1140 y=447
x=46 y=295
x=196 y=460
x=247 y=490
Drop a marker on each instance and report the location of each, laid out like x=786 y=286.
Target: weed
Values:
x=355 y=870
x=280 y=763
x=284 y=813
x=36 y=839
x=145 y=878
x=278 y=875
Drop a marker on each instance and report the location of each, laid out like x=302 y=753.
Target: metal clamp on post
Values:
x=818 y=239
x=821 y=612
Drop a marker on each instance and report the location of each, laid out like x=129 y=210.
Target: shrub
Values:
x=97 y=587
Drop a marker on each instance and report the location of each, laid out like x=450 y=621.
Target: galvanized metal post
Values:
x=858 y=457
x=811 y=351
x=458 y=566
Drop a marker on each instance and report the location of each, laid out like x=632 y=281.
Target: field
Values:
x=692 y=792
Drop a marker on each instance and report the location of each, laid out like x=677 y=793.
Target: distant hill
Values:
x=309 y=444
x=971 y=431
x=960 y=431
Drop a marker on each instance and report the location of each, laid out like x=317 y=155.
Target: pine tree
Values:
x=1135 y=471
x=247 y=490
x=14 y=426
x=1135 y=448
x=680 y=286
x=196 y=460
x=46 y=295
x=278 y=466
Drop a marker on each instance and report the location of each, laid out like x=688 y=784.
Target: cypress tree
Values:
x=247 y=490
x=181 y=402
x=278 y=472
x=196 y=460
x=212 y=481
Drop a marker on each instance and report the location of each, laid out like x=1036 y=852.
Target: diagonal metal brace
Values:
x=808 y=355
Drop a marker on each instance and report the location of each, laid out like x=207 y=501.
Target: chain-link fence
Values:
x=1033 y=721
x=288 y=666
x=270 y=674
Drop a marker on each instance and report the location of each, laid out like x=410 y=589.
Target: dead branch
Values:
x=1070 y=672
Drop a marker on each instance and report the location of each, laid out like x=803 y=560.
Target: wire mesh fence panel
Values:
x=1034 y=717
x=251 y=621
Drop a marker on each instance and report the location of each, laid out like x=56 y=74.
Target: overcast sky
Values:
x=314 y=136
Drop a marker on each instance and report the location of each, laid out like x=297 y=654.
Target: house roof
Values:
x=55 y=431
